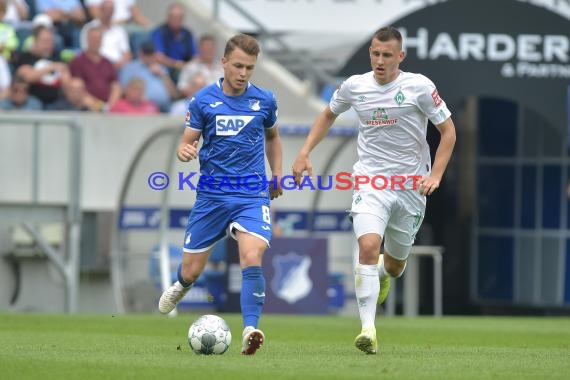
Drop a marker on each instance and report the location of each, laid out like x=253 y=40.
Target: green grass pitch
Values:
x=36 y=346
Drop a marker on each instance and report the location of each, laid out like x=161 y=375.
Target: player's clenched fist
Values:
x=187 y=152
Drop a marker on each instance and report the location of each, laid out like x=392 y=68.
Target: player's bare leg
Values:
x=192 y=265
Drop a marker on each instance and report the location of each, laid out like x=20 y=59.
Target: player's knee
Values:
x=368 y=257
x=369 y=247
x=251 y=257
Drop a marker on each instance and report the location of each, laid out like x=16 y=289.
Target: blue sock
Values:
x=252 y=295
x=180 y=279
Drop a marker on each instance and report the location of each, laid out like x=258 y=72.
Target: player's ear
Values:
x=402 y=55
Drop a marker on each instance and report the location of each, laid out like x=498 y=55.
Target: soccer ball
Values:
x=208 y=335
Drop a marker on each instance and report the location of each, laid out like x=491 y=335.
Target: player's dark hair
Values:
x=247 y=43
x=388 y=33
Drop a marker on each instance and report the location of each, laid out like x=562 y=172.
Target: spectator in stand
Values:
x=204 y=63
x=126 y=11
x=68 y=16
x=134 y=100
x=41 y=68
x=173 y=42
x=159 y=88
x=195 y=84
x=16 y=12
x=97 y=72
x=19 y=98
x=115 y=44
x=8 y=38
x=75 y=98
x=5 y=78
x=45 y=21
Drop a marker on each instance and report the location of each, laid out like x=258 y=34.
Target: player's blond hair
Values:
x=245 y=42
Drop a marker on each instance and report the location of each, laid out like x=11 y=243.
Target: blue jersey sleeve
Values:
x=194 y=116
x=271 y=119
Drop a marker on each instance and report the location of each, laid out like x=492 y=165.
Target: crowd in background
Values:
x=100 y=56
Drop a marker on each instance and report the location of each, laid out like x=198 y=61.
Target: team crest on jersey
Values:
x=357 y=200
x=231 y=125
x=254 y=104
x=399 y=98
x=291 y=281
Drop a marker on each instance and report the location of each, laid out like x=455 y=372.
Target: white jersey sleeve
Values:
x=430 y=103
x=341 y=100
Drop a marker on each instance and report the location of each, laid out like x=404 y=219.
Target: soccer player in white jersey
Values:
x=393 y=109
x=238 y=123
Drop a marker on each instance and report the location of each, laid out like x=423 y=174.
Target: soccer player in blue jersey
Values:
x=237 y=121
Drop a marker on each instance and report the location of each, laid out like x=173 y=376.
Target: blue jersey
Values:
x=232 y=157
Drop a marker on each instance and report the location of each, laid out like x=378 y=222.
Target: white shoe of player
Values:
x=252 y=340
x=171 y=296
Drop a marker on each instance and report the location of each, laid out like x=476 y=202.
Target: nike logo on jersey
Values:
x=227 y=125
x=266 y=228
x=214 y=105
x=259 y=295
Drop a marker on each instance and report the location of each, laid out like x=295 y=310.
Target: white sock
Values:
x=367 y=288
x=381 y=270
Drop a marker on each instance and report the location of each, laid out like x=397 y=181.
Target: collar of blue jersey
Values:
x=219 y=83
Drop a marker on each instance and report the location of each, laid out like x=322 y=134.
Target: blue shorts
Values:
x=210 y=219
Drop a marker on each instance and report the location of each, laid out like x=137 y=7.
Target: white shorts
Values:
x=394 y=215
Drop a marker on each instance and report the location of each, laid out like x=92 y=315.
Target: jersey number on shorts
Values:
x=266 y=214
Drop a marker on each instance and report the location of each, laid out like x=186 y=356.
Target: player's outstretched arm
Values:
x=188 y=147
x=274 y=151
x=442 y=156
x=319 y=130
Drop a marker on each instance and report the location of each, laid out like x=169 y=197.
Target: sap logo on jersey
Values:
x=227 y=125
